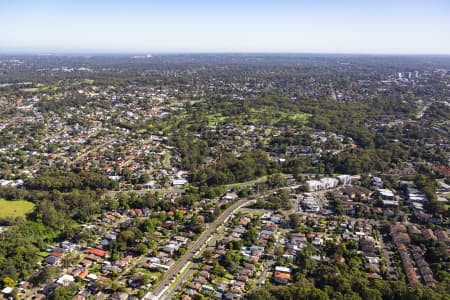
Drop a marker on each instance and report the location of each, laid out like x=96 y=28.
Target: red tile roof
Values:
x=98 y=252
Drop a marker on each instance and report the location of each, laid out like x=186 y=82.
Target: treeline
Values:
x=438 y=112
x=74 y=100
x=55 y=208
x=20 y=247
x=280 y=200
x=354 y=119
x=60 y=210
x=272 y=100
x=65 y=181
x=231 y=169
x=358 y=161
x=192 y=150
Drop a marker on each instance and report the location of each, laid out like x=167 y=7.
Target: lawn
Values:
x=14 y=209
x=40 y=88
x=30 y=90
x=141 y=131
x=257 y=117
x=261 y=116
x=246 y=183
x=43 y=254
x=192 y=102
x=216 y=118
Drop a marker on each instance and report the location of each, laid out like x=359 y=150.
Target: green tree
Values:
x=276 y=180
x=8 y=282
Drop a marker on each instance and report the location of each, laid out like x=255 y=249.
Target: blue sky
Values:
x=323 y=26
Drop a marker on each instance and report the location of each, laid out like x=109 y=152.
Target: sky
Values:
x=187 y=26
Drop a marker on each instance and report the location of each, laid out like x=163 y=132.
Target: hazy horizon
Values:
x=175 y=27
x=33 y=52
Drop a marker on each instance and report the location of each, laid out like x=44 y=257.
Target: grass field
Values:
x=40 y=88
x=257 y=117
x=14 y=209
x=192 y=102
x=30 y=90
